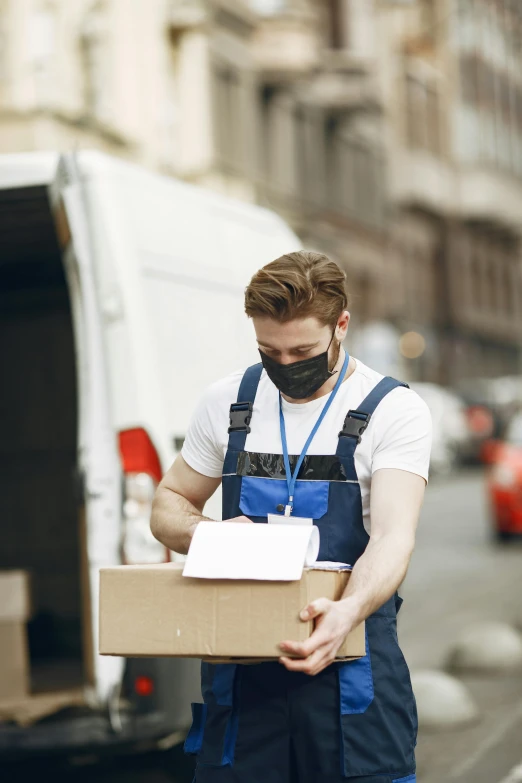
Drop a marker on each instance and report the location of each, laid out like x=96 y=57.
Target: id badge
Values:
x=281 y=519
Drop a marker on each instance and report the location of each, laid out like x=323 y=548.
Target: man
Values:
x=310 y=433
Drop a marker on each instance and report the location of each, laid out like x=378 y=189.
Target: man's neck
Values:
x=328 y=386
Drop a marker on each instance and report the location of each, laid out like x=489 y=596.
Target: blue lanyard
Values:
x=291 y=478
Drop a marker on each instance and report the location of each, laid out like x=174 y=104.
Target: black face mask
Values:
x=299 y=380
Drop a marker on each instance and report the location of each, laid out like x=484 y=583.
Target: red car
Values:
x=504 y=481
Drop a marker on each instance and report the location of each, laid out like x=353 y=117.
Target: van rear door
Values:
x=99 y=465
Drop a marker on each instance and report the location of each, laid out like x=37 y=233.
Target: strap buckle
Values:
x=354 y=424
x=240 y=416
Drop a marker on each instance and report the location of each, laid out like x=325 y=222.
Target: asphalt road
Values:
x=457 y=576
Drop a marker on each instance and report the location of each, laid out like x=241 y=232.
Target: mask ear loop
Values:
x=332 y=372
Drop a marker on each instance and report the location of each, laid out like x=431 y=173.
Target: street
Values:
x=457 y=576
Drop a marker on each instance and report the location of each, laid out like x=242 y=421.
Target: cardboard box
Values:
x=14 y=595
x=14 y=654
x=14 y=661
x=154 y=610
x=16 y=703
x=30 y=709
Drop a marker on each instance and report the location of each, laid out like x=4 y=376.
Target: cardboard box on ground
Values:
x=14 y=656
x=153 y=610
x=16 y=702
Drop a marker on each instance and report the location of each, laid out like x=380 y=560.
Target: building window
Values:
x=517 y=101
x=301 y=153
x=434 y=116
x=508 y=288
x=354 y=183
x=279 y=137
x=415 y=100
x=488 y=37
x=513 y=128
x=492 y=291
x=228 y=117
x=469 y=79
x=345 y=181
x=266 y=102
x=338 y=24
x=423 y=115
x=486 y=86
x=505 y=99
x=94 y=59
x=428 y=17
x=363 y=197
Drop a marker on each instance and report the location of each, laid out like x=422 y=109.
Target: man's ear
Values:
x=342 y=324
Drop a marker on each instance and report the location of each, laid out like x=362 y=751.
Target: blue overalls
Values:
x=355 y=720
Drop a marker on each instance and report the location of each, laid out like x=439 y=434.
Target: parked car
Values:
x=121 y=298
x=450 y=428
x=491 y=404
x=504 y=482
x=482 y=424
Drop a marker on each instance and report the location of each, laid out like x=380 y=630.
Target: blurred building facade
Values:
x=388 y=133
x=452 y=77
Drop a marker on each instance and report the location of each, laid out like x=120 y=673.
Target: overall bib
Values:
x=356 y=720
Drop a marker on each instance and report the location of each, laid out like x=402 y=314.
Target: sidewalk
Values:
x=485 y=752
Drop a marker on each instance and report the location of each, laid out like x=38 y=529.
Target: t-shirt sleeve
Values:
x=201 y=448
x=403 y=433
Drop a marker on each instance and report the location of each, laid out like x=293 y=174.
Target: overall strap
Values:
x=241 y=412
x=357 y=420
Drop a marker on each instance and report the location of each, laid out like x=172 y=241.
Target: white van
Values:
x=121 y=298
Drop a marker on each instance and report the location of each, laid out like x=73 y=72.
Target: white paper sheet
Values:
x=331 y=565
x=236 y=550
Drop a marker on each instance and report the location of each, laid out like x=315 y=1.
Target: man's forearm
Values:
x=377 y=574
x=174 y=520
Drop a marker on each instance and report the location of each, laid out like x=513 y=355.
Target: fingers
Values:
x=319 y=637
x=312 y=665
x=316 y=608
x=308 y=647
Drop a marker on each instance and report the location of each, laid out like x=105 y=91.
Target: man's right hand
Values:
x=178 y=505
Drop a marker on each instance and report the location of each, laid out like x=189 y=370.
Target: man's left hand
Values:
x=333 y=621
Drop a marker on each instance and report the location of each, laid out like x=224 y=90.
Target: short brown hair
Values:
x=298 y=285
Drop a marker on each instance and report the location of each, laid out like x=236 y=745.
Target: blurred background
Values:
x=388 y=134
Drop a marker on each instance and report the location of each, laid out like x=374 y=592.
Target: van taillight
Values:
x=139 y=454
x=144 y=686
x=142 y=473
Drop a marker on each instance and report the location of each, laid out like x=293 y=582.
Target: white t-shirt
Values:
x=398 y=435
